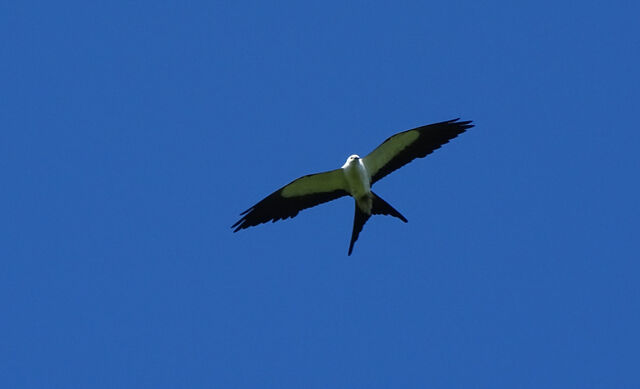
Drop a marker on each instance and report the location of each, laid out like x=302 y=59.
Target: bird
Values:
x=354 y=179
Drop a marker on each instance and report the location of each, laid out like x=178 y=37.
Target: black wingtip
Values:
x=238 y=225
x=465 y=124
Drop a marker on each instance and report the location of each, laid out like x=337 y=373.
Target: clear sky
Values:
x=134 y=133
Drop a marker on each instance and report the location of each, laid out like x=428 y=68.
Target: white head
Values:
x=352 y=159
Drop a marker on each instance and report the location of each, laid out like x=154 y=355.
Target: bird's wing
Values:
x=402 y=148
x=286 y=202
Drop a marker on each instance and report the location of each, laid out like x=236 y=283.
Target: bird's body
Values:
x=354 y=179
x=358 y=182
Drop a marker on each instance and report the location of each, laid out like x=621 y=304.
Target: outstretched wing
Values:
x=402 y=148
x=286 y=202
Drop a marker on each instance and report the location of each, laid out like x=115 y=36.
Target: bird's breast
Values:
x=358 y=179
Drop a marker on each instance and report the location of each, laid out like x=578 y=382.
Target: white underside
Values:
x=358 y=182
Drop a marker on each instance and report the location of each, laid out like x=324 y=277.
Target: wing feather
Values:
x=302 y=193
x=402 y=148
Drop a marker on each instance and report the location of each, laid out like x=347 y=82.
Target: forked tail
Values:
x=378 y=207
x=381 y=207
x=358 y=222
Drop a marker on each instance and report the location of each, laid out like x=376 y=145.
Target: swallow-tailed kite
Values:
x=354 y=178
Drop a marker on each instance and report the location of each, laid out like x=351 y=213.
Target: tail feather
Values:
x=381 y=207
x=378 y=207
x=359 y=219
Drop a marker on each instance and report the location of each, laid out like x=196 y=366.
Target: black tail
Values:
x=358 y=222
x=381 y=207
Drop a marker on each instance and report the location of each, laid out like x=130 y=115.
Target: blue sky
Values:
x=134 y=133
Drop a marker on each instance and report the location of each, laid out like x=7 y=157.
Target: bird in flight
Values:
x=354 y=179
